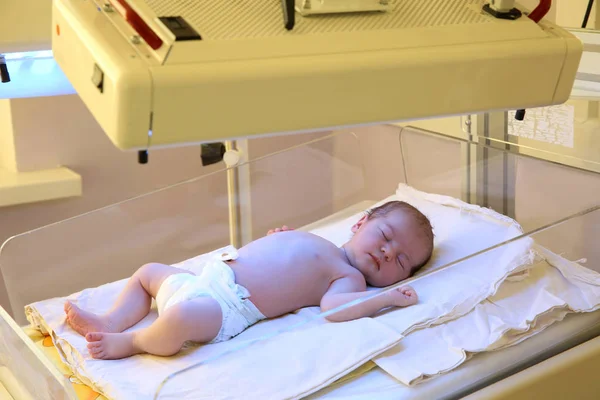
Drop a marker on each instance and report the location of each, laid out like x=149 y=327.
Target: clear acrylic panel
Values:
x=294 y=186
x=565 y=133
x=307 y=186
x=25 y=373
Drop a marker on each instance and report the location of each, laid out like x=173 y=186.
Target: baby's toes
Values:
x=94 y=336
x=98 y=354
x=94 y=345
x=95 y=349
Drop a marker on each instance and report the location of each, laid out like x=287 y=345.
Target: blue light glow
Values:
x=34 y=74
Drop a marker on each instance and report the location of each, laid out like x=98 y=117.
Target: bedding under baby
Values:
x=300 y=361
x=523 y=306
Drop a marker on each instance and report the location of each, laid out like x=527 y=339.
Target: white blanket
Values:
x=297 y=363
x=521 y=308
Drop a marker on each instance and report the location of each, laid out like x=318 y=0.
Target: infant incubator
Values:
x=512 y=290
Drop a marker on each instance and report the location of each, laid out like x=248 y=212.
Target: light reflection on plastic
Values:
x=34 y=74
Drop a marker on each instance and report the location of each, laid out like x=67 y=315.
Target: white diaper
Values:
x=217 y=281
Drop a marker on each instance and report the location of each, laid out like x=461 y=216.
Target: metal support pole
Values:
x=496 y=170
x=239 y=195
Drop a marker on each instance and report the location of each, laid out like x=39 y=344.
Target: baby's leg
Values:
x=198 y=320
x=132 y=305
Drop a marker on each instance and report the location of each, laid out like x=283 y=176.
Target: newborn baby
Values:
x=272 y=276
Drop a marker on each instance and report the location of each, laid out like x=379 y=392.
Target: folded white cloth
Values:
x=551 y=289
x=298 y=363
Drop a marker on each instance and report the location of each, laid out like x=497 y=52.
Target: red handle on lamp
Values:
x=541 y=10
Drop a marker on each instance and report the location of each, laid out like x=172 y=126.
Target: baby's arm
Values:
x=348 y=289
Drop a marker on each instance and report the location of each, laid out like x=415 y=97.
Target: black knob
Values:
x=143 y=156
x=212 y=153
x=4 y=75
x=520 y=115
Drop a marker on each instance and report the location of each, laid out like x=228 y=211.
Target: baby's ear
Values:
x=360 y=223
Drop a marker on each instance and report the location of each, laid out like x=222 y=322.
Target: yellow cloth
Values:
x=363 y=369
x=44 y=343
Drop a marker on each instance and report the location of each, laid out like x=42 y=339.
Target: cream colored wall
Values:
x=25 y=25
x=7 y=155
x=570 y=13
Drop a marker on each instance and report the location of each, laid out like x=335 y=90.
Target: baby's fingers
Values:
x=408 y=292
x=282 y=229
x=407 y=289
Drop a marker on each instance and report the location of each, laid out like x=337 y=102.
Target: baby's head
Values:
x=390 y=243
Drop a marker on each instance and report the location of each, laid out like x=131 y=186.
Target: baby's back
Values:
x=288 y=270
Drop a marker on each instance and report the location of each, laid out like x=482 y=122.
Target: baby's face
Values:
x=385 y=249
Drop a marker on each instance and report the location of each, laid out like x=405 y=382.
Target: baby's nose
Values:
x=385 y=253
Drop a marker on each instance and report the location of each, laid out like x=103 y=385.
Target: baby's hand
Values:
x=403 y=296
x=282 y=229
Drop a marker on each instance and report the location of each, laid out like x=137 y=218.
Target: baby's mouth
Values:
x=376 y=260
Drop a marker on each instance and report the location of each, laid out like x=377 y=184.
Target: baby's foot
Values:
x=110 y=346
x=84 y=322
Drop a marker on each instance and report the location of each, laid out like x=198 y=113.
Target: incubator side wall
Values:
x=433 y=164
x=59 y=130
x=383 y=159
x=368 y=169
x=292 y=188
x=295 y=187
x=173 y=224
x=545 y=190
x=300 y=187
x=534 y=191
